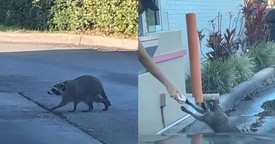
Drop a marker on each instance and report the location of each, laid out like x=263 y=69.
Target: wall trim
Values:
x=169 y=56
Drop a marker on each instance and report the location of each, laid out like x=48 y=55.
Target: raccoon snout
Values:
x=50 y=93
x=54 y=91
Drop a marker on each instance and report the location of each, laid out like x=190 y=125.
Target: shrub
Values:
x=28 y=14
x=108 y=16
x=221 y=76
x=223 y=44
x=263 y=54
x=218 y=76
x=112 y=16
x=68 y=15
x=244 y=66
x=188 y=84
x=256 y=28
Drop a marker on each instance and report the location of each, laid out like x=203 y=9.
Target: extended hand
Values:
x=173 y=92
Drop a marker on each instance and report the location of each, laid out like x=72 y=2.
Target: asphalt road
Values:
x=34 y=72
x=22 y=121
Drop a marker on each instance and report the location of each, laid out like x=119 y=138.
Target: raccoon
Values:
x=212 y=114
x=85 y=88
x=269 y=107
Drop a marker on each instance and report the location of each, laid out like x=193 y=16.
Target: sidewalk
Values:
x=70 y=39
x=22 y=121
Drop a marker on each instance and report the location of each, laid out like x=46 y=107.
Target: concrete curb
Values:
x=70 y=39
x=235 y=96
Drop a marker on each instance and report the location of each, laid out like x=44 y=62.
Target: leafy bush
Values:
x=218 y=76
x=263 y=54
x=223 y=44
x=68 y=15
x=107 y=16
x=244 y=66
x=29 y=14
x=188 y=84
x=112 y=16
x=221 y=76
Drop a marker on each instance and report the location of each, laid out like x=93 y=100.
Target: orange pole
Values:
x=194 y=56
x=196 y=139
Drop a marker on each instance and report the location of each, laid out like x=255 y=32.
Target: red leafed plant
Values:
x=223 y=45
x=255 y=22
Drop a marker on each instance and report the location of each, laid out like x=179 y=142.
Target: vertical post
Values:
x=193 y=47
x=196 y=139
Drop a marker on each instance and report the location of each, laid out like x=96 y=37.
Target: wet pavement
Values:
x=245 y=115
x=34 y=72
x=207 y=138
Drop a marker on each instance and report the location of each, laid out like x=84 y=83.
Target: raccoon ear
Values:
x=62 y=86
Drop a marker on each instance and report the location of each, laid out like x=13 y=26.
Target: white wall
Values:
x=149 y=88
x=205 y=10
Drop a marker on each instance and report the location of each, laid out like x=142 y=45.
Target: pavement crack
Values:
x=59 y=114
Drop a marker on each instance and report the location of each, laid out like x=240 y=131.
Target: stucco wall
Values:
x=173 y=16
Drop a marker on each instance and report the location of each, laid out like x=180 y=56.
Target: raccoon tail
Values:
x=102 y=93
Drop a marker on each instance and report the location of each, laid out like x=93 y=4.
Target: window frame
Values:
x=145 y=30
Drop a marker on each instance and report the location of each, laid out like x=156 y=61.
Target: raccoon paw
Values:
x=105 y=109
x=89 y=110
x=183 y=108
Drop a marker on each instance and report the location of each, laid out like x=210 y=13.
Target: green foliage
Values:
x=29 y=14
x=256 y=28
x=108 y=16
x=221 y=76
x=68 y=15
x=263 y=54
x=244 y=66
x=223 y=44
x=113 y=16
x=218 y=76
x=188 y=84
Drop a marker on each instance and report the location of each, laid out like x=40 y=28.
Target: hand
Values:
x=173 y=92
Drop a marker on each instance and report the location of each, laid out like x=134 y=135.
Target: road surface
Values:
x=22 y=121
x=34 y=72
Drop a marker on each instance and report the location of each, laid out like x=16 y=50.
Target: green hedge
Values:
x=108 y=16
x=114 y=15
x=26 y=14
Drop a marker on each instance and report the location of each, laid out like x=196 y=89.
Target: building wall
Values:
x=149 y=88
x=173 y=17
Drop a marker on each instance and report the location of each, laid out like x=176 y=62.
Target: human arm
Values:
x=152 y=67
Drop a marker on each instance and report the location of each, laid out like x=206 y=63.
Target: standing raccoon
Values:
x=213 y=115
x=85 y=88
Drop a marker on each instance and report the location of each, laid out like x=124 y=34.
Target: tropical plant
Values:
x=256 y=28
